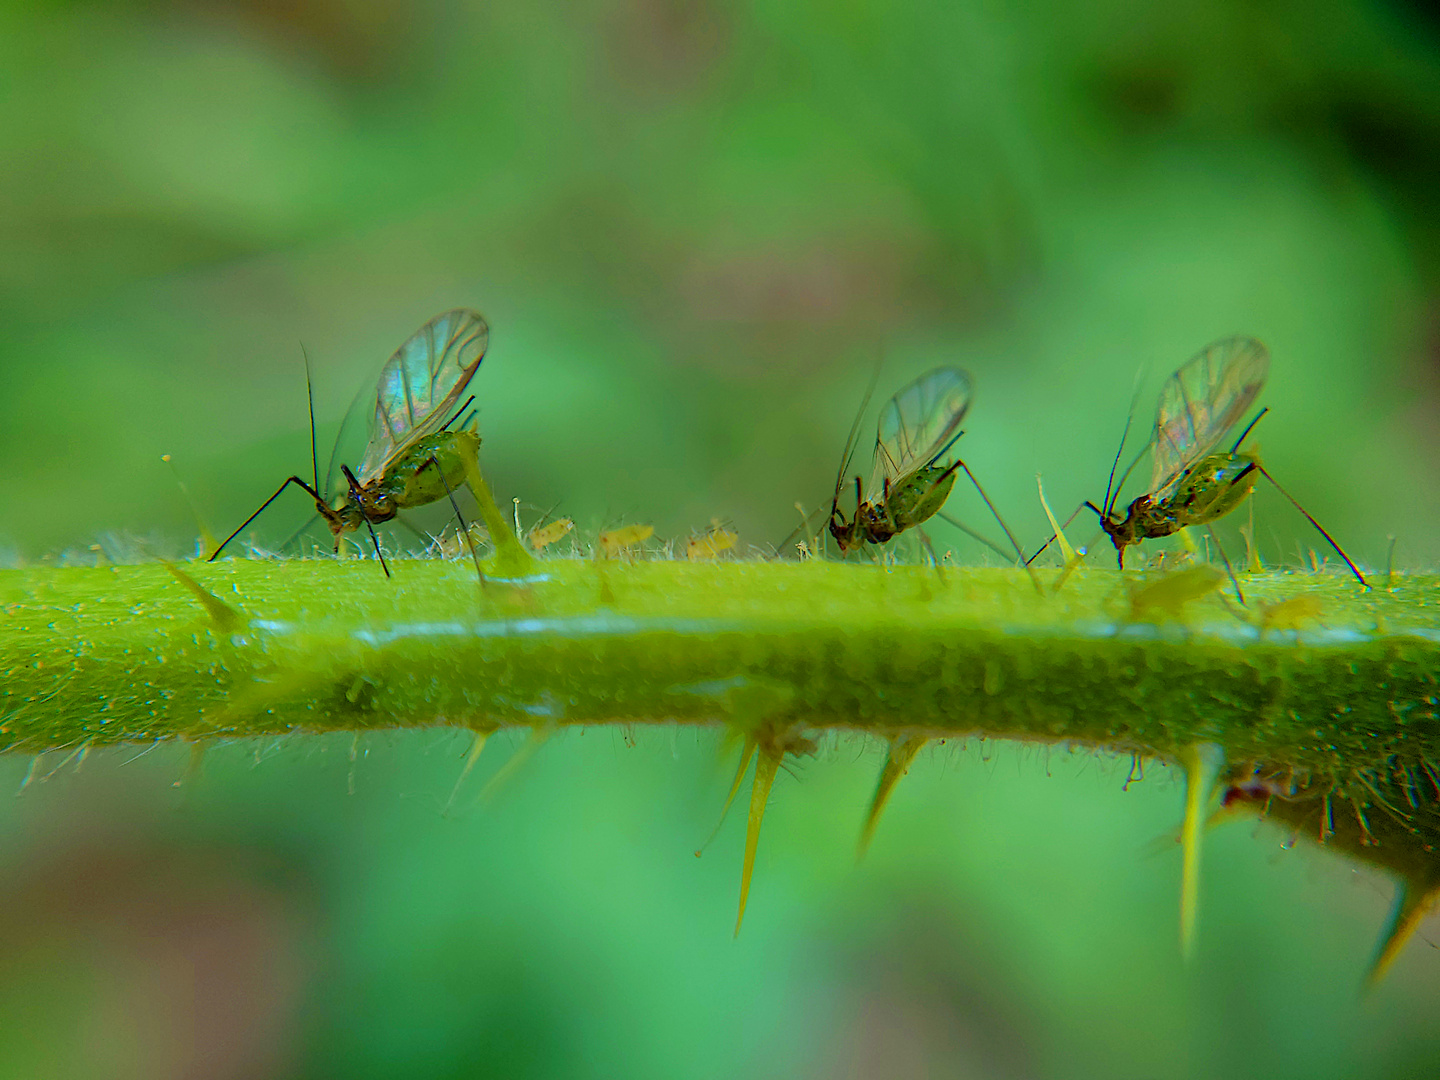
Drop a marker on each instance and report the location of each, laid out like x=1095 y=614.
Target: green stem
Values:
x=1319 y=699
x=119 y=654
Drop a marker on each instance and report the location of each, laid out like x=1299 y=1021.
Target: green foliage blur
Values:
x=695 y=229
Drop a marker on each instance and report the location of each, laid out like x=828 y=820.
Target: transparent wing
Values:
x=1201 y=402
x=420 y=386
x=917 y=424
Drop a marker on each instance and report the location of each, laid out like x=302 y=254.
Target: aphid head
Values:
x=1122 y=530
x=379 y=506
x=343 y=517
x=847 y=534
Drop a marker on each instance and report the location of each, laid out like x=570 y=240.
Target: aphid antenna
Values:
x=1258 y=417
x=1110 y=483
x=1115 y=495
x=375 y=539
x=310 y=403
x=1319 y=528
x=850 y=441
x=464 y=528
x=930 y=550
x=976 y=534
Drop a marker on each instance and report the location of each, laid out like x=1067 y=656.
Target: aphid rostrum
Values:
x=412 y=456
x=909 y=484
x=1191 y=483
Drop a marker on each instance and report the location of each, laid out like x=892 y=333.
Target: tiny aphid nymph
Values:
x=616 y=542
x=412 y=456
x=1191 y=483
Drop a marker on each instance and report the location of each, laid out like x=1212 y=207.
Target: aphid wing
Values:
x=420 y=385
x=1202 y=401
x=918 y=423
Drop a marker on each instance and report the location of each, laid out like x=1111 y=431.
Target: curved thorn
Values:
x=510 y=768
x=745 y=754
x=1202 y=763
x=481 y=737
x=1411 y=907
x=766 y=766
x=903 y=749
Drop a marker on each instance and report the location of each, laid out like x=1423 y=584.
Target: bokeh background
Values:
x=695 y=228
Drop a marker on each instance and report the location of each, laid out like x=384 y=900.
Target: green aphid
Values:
x=1191 y=483
x=909 y=484
x=412 y=457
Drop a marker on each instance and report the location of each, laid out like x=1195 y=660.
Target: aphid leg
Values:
x=1390 y=565
x=1248 y=427
x=464 y=528
x=263 y=506
x=1226 y=560
x=930 y=550
x=374 y=539
x=1265 y=473
x=369 y=525
x=1252 y=548
x=1019 y=551
x=766 y=766
x=1202 y=763
x=975 y=535
x=903 y=749
x=1412 y=904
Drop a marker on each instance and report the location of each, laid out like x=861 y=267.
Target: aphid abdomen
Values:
x=921 y=496
x=418 y=482
x=1213 y=487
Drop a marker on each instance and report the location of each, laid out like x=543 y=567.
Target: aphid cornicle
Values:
x=1192 y=484
x=412 y=457
x=909 y=485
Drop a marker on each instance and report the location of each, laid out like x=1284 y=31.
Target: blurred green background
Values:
x=694 y=227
